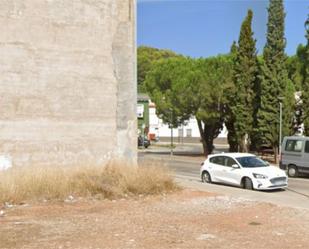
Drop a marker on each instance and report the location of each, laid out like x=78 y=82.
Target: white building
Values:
x=188 y=131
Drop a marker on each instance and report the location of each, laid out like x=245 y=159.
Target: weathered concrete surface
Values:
x=67 y=81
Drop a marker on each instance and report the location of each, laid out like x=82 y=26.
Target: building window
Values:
x=140 y=110
x=189 y=132
x=180 y=132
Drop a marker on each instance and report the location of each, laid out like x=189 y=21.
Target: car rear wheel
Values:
x=248 y=183
x=206 y=177
x=292 y=171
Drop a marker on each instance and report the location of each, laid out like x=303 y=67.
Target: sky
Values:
x=203 y=28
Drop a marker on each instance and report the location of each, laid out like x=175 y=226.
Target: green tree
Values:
x=254 y=137
x=296 y=69
x=275 y=84
x=229 y=118
x=305 y=72
x=183 y=88
x=170 y=85
x=244 y=77
x=146 y=57
x=211 y=98
x=294 y=66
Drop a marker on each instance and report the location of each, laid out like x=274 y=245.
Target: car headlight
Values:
x=260 y=176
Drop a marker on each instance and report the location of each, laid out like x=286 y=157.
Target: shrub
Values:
x=113 y=180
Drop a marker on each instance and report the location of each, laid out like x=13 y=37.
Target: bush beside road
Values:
x=114 y=180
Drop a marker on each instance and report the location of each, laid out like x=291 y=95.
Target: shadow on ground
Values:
x=176 y=153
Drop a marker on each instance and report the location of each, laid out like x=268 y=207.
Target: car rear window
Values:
x=217 y=160
x=294 y=145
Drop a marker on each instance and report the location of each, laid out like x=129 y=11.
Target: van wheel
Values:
x=292 y=171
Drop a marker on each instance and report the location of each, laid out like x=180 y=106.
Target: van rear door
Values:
x=292 y=152
x=304 y=167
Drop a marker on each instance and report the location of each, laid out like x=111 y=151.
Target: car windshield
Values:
x=251 y=162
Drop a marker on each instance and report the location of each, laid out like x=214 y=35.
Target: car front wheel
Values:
x=247 y=184
x=206 y=177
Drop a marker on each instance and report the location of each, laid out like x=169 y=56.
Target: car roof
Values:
x=234 y=155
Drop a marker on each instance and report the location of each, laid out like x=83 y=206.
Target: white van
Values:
x=295 y=155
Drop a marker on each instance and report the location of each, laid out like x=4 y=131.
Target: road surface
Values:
x=186 y=171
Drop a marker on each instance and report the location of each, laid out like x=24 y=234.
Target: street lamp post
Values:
x=280 y=128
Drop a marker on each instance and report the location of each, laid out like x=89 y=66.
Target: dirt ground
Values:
x=188 y=219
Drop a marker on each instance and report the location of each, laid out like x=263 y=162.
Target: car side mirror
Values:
x=235 y=166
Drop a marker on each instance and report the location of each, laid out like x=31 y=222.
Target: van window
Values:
x=294 y=145
x=307 y=147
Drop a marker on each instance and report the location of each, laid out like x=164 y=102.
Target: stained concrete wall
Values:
x=67 y=81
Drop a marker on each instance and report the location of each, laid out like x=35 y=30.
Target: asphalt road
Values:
x=186 y=171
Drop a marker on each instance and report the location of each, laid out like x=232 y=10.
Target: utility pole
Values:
x=171 y=125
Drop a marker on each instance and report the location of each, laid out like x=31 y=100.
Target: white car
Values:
x=242 y=169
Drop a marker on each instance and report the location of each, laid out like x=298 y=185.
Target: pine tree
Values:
x=245 y=74
x=275 y=85
x=305 y=92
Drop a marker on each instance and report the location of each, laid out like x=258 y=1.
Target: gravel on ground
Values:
x=186 y=219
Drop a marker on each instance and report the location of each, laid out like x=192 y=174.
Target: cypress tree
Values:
x=305 y=92
x=229 y=117
x=274 y=82
x=245 y=74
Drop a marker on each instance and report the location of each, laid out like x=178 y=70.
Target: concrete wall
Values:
x=67 y=81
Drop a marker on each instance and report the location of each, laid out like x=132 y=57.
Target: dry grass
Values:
x=110 y=181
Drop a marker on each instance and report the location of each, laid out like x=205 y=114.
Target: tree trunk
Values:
x=233 y=145
x=231 y=139
x=209 y=144
x=206 y=138
x=244 y=144
x=201 y=130
x=205 y=148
